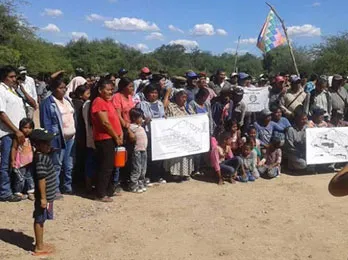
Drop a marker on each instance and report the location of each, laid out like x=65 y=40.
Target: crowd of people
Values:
x=85 y=124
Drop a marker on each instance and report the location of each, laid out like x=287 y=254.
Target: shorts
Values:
x=41 y=215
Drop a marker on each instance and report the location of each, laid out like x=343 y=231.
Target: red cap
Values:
x=279 y=79
x=145 y=70
x=202 y=75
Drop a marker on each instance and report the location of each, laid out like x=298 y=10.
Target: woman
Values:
x=152 y=108
x=123 y=101
x=107 y=133
x=57 y=116
x=73 y=84
x=182 y=167
x=79 y=97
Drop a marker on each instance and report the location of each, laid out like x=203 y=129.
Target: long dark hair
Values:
x=79 y=91
x=4 y=71
x=124 y=82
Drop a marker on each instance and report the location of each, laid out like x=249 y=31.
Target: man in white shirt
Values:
x=30 y=87
x=12 y=110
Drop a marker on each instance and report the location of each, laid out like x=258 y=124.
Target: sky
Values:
x=210 y=25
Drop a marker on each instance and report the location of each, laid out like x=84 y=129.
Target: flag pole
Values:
x=236 y=58
x=287 y=38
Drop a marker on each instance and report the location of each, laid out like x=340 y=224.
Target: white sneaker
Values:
x=162 y=181
x=137 y=190
x=144 y=189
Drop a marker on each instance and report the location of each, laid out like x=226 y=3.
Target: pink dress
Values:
x=24 y=154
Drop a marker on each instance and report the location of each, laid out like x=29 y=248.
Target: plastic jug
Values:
x=120 y=158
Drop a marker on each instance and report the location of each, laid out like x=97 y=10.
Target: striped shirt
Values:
x=43 y=169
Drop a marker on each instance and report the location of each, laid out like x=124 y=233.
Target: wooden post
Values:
x=236 y=58
x=287 y=37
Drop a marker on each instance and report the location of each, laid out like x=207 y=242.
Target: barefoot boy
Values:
x=45 y=187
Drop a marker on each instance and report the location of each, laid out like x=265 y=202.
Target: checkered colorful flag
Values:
x=271 y=35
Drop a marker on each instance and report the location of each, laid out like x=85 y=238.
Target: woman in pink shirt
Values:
x=123 y=101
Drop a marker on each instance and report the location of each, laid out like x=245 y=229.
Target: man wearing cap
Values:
x=219 y=82
x=276 y=92
x=339 y=95
x=202 y=83
x=263 y=81
x=29 y=85
x=294 y=98
x=320 y=97
x=191 y=88
x=121 y=73
x=234 y=79
x=244 y=80
x=144 y=77
x=317 y=118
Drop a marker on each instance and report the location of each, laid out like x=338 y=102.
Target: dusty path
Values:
x=286 y=218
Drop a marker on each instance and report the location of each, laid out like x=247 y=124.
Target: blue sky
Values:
x=210 y=25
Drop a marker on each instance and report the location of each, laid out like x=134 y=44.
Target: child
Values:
x=222 y=159
x=273 y=158
x=138 y=135
x=22 y=157
x=45 y=187
x=233 y=127
x=249 y=164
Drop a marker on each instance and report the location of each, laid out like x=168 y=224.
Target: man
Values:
x=286 y=77
x=310 y=86
x=144 y=76
x=276 y=92
x=339 y=95
x=121 y=73
x=239 y=107
x=12 y=110
x=263 y=81
x=202 y=83
x=191 y=88
x=219 y=82
x=234 y=79
x=337 y=119
x=294 y=98
x=320 y=97
x=30 y=87
x=90 y=80
x=244 y=80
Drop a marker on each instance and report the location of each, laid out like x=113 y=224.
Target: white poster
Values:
x=256 y=99
x=179 y=136
x=326 y=145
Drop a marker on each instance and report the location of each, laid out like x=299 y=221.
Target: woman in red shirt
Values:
x=107 y=134
x=123 y=100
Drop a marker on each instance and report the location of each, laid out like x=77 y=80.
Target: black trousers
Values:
x=105 y=151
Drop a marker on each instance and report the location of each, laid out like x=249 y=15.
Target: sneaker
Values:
x=11 y=198
x=162 y=181
x=251 y=178
x=144 y=189
x=148 y=183
x=31 y=196
x=137 y=190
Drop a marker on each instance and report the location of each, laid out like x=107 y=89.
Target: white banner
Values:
x=179 y=136
x=256 y=99
x=326 y=145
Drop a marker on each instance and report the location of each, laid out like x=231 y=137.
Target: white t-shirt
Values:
x=13 y=106
x=30 y=88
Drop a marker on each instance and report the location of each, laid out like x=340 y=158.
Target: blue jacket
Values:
x=51 y=120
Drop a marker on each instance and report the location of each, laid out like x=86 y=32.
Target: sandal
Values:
x=105 y=199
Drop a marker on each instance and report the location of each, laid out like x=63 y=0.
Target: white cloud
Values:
x=316 y=4
x=141 y=47
x=248 y=41
x=130 y=24
x=186 y=43
x=95 y=17
x=51 y=28
x=52 y=12
x=175 y=29
x=78 y=35
x=221 y=32
x=306 y=30
x=205 y=29
x=155 y=36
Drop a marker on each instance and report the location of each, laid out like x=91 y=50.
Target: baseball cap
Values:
x=317 y=111
x=191 y=75
x=41 y=135
x=243 y=75
x=122 y=71
x=266 y=112
x=145 y=70
x=22 y=70
x=238 y=91
x=294 y=79
x=279 y=79
x=337 y=77
x=234 y=74
x=179 y=79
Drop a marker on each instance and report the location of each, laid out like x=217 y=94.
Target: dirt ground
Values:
x=285 y=218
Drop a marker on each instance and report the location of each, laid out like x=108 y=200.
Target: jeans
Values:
x=230 y=166
x=25 y=182
x=5 y=152
x=116 y=176
x=63 y=163
x=138 y=172
x=105 y=151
